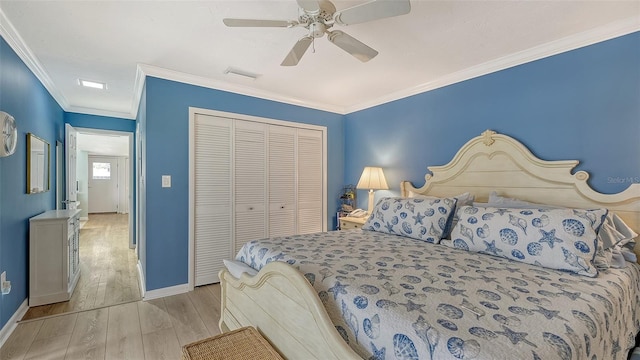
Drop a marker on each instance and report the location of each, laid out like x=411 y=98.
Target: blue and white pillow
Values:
x=417 y=218
x=613 y=231
x=563 y=239
x=461 y=200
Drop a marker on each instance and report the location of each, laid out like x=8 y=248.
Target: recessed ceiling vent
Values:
x=241 y=73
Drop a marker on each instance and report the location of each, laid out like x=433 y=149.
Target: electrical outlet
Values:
x=5 y=285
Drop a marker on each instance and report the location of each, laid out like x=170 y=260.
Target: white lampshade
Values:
x=372 y=179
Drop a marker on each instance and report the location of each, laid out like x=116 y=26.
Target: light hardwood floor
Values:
x=108 y=272
x=105 y=318
x=155 y=329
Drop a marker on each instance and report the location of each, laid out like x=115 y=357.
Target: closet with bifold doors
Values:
x=251 y=178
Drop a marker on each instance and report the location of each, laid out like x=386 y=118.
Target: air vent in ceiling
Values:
x=242 y=73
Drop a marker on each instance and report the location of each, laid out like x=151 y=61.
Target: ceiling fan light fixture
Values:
x=242 y=73
x=317 y=29
x=318 y=16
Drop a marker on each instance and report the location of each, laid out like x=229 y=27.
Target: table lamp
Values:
x=373 y=179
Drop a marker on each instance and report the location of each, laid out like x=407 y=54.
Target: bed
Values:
x=457 y=304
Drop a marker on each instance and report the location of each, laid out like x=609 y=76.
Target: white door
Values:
x=212 y=181
x=59 y=176
x=311 y=177
x=282 y=180
x=71 y=154
x=123 y=185
x=249 y=182
x=103 y=184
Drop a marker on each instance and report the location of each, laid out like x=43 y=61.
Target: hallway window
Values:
x=101 y=171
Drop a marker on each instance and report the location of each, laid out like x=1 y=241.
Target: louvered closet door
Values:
x=310 y=181
x=282 y=180
x=250 y=182
x=213 y=196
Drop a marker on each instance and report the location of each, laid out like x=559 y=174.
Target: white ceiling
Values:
x=437 y=43
x=99 y=143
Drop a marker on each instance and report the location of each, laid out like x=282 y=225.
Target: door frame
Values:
x=132 y=222
x=60 y=175
x=71 y=178
x=192 y=116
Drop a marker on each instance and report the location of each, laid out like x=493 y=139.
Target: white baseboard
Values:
x=11 y=325
x=141 y=279
x=168 y=291
x=158 y=293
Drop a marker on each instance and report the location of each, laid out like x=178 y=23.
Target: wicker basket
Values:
x=241 y=344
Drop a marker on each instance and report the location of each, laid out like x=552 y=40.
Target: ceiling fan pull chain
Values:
x=313 y=45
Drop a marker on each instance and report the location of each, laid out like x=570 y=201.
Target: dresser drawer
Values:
x=350 y=223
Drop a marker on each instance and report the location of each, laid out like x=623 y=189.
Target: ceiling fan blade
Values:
x=258 y=23
x=298 y=50
x=310 y=6
x=354 y=47
x=373 y=10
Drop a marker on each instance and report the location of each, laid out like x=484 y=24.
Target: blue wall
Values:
x=23 y=96
x=167 y=136
x=583 y=104
x=99 y=122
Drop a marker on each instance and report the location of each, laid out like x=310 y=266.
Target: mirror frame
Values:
x=31 y=139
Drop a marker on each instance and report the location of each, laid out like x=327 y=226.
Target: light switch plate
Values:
x=166 y=181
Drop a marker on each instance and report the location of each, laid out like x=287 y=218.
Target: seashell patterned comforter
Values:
x=392 y=297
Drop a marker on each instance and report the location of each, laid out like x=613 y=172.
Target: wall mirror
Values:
x=37 y=164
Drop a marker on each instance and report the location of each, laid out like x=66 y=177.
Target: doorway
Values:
x=104 y=180
x=108 y=262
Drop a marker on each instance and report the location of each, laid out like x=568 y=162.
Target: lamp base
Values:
x=370 y=208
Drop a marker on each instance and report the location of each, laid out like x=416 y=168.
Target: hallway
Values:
x=108 y=271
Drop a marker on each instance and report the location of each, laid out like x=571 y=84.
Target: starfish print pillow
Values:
x=562 y=239
x=417 y=218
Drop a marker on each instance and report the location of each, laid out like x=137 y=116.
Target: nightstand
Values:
x=351 y=223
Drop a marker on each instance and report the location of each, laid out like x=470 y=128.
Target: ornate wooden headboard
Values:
x=496 y=162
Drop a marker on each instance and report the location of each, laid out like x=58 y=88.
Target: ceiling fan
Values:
x=318 y=16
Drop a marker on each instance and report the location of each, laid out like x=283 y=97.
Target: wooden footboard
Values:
x=286 y=310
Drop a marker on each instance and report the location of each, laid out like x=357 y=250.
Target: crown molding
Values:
x=138 y=87
x=167 y=74
x=19 y=46
x=606 y=32
x=99 y=112
x=586 y=38
x=15 y=41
